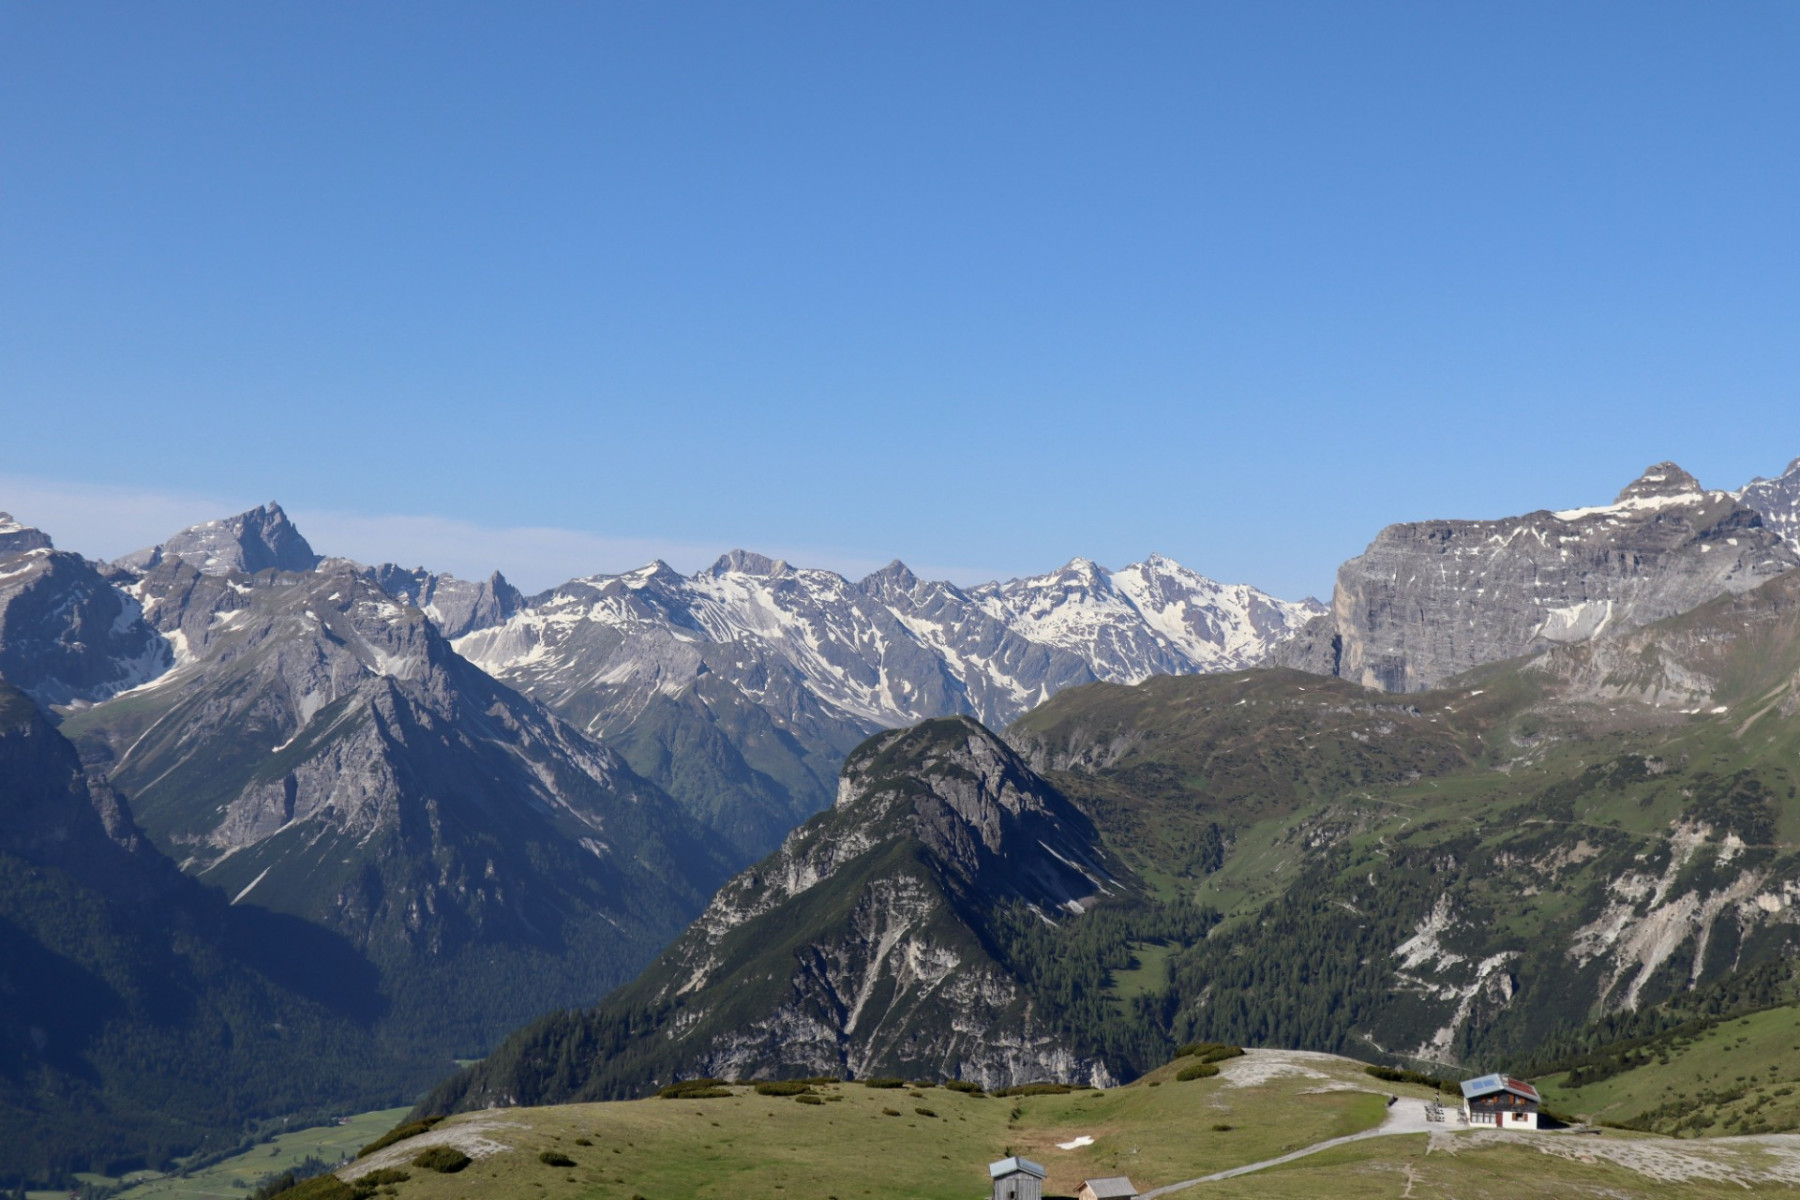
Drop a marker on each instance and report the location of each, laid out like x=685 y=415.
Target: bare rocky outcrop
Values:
x=1778 y=500
x=1429 y=600
x=67 y=636
x=260 y=539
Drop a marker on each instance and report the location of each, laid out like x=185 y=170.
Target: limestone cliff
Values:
x=1429 y=600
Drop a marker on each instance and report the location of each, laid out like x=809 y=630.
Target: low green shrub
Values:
x=963 y=1085
x=1395 y=1075
x=382 y=1175
x=809 y=1098
x=890 y=1112
x=695 y=1089
x=446 y=1160
x=321 y=1187
x=924 y=1112
x=1221 y=1053
x=1037 y=1089
x=884 y=1081
x=555 y=1158
x=782 y=1087
x=1197 y=1071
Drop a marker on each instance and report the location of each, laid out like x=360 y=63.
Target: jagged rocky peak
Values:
x=748 y=562
x=1778 y=500
x=67 y=636
x=455 y=606
x=896 y=575
x=982 y=811
x=1661 y=481
x=953 y=760
x=256 y=540
x=20 y=539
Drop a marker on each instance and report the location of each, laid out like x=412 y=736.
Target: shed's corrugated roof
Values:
x=1009 y=1166
x=1113 y=1187
x=1487 y=1085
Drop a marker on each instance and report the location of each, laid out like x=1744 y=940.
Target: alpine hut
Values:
x=1017 y=1179
x=1113 y=1187
x=1500 y=1101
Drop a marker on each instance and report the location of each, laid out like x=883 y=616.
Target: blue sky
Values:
x=563 y=287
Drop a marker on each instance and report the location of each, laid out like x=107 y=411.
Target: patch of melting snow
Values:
x=1078 y=1143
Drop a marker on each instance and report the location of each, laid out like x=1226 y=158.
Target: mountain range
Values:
x=490 y=806
x=1267 y=857
x=741 y=688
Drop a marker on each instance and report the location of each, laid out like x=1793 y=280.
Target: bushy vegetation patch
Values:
x=695 y=1089
x=782 y=1087
x=1197 y=1071
x=1037 y=1089
x=398 y=1133
x=1210 y=1052
x=323 y=1187
x=809 y=1098
x=555 y=1158
x=381 y=1177
x=1396 y=1075
x=964 y=1086
x=444 y=1159
x=318 y=1187
x=883 y=1081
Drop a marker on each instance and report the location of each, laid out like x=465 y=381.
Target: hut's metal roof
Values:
x=1488 y=1085
x=1113 y=1187
x=1012 y=1166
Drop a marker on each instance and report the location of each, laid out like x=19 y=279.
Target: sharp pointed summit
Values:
x=258 y=539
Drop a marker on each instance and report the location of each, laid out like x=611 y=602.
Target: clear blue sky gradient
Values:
x=982 y=285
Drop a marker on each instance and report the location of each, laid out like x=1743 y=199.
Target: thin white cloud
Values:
x=106 y=521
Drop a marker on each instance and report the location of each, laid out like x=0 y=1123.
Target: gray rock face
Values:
x=1778 y=500
x=17 y=539
x=66 y=634
x=455 y=606
x=320 y=750
x=261 y=539
x=1429 y=600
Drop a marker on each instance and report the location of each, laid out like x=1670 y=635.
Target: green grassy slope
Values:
x=1740 y=1075
x=874 y=1141
x=853 y=1141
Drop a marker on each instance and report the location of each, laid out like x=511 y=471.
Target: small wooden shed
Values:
x=1017 y=1179
x=1113 y=1187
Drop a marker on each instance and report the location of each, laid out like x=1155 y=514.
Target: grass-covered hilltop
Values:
x=1188 y=1120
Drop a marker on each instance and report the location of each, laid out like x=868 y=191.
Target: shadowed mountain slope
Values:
x=320 y=749
x=141 y=1016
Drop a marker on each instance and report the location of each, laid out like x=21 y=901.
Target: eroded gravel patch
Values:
x=477 y=1136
